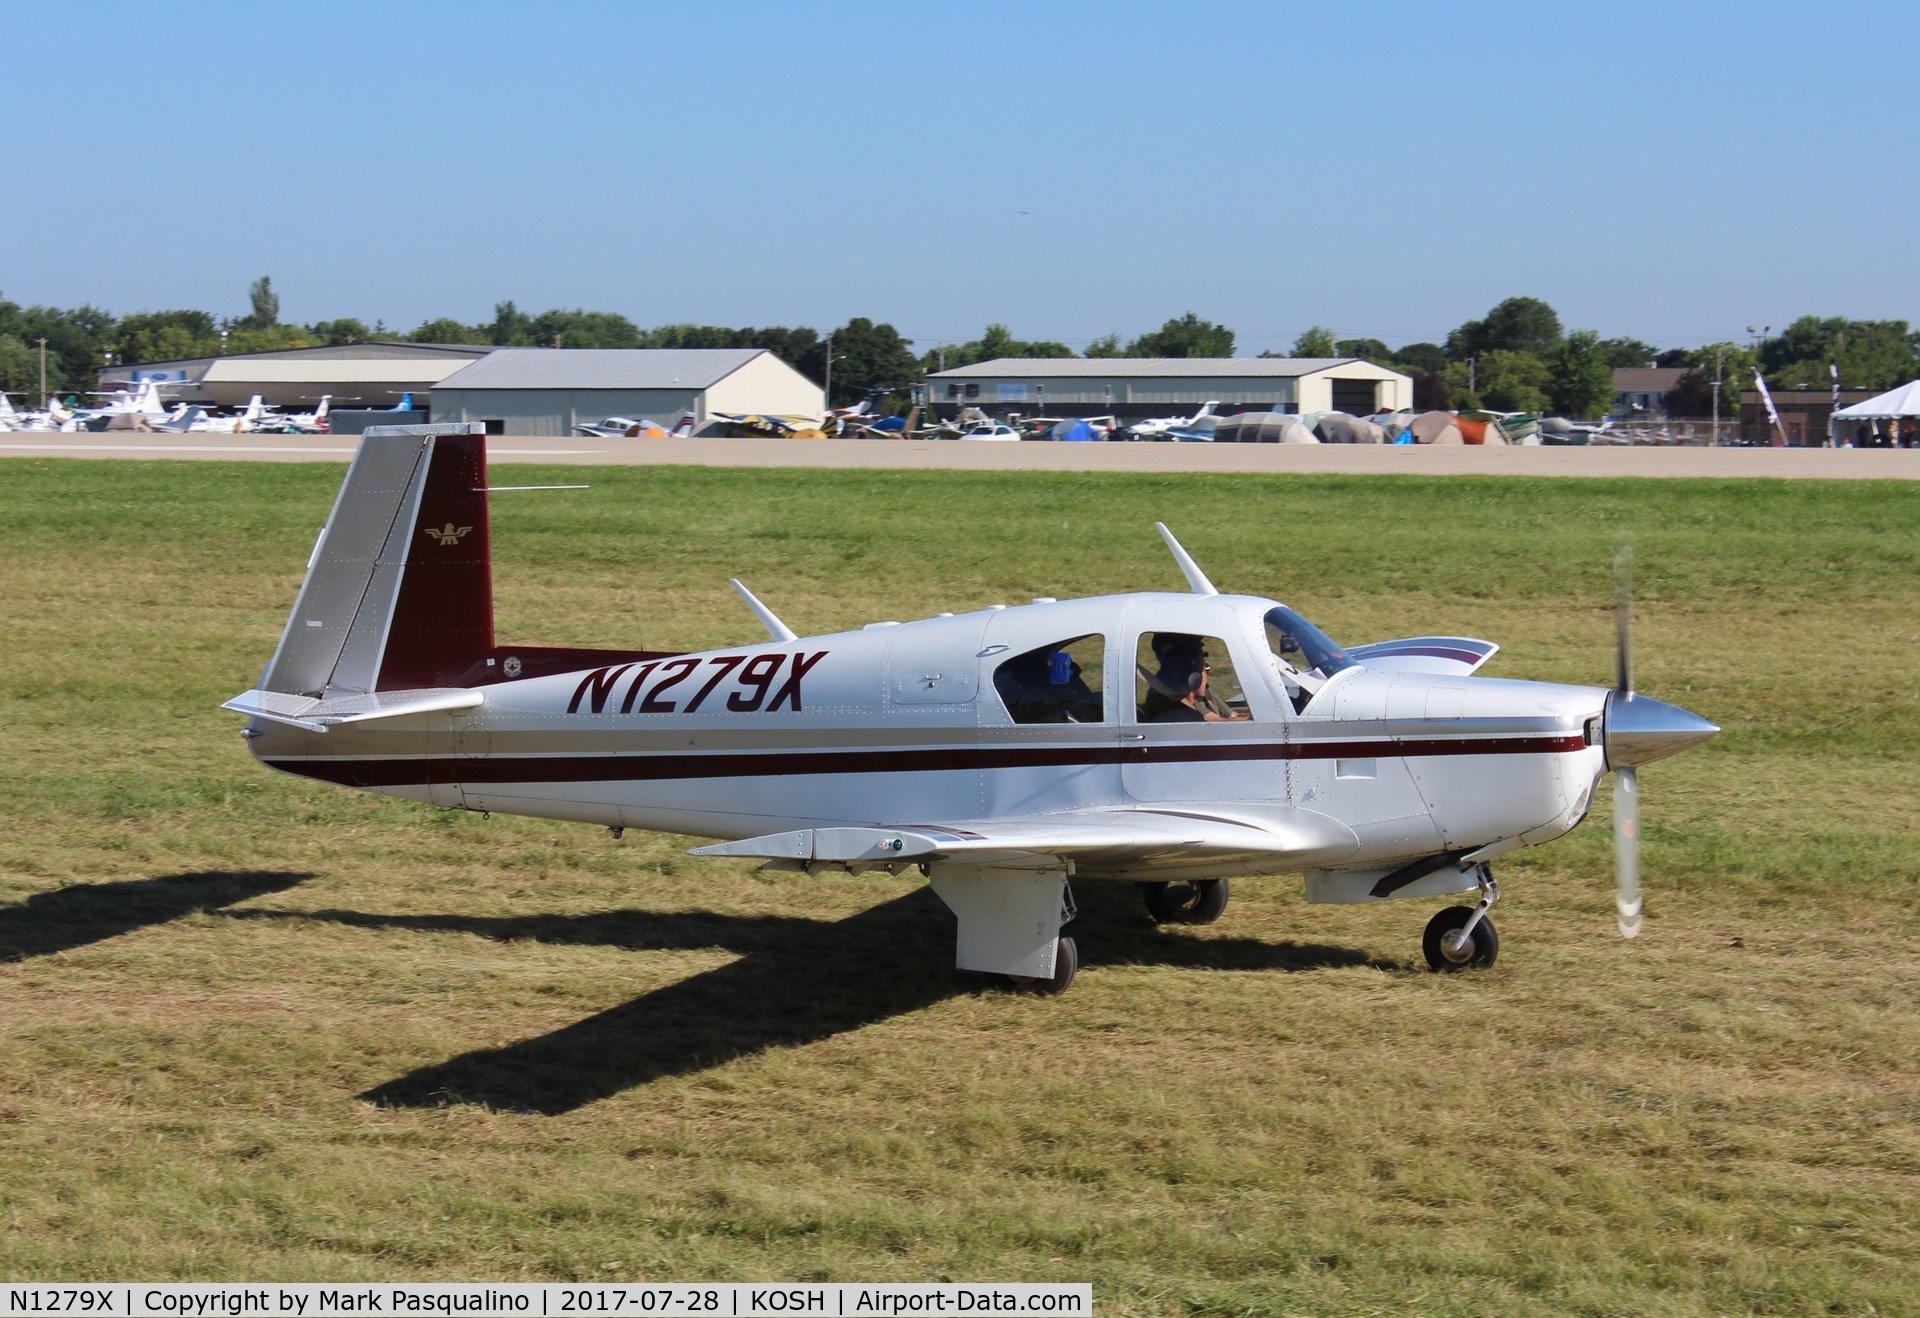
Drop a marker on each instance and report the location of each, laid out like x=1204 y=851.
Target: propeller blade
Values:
x=1626 y=846
x=1623 y=614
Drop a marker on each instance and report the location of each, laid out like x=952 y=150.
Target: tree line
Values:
x=1517 y=358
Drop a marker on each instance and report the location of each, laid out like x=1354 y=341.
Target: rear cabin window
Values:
x=1057 y=683
x=1181 y=677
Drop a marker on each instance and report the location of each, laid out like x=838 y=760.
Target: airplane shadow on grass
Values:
x=66 y=918
x=796 y=981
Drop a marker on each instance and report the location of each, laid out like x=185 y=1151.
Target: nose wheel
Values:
x=1463 y=936
x=1200 y=901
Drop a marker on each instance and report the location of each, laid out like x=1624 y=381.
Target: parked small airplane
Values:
x=1173 y=740
x=1162 y=427
x=621 y=427
x=295 y=423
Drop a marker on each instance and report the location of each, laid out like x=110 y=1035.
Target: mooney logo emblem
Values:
x=448 y=534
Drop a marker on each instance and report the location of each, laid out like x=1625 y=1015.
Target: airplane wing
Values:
x=1454 y=656
x=1095 y=840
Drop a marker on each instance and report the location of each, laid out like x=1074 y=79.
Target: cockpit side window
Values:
x=1181 y=677
x=1057 y=683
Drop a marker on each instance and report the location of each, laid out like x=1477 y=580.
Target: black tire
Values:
x=1066 y=964
x=1198 y=902
x=1486 y=941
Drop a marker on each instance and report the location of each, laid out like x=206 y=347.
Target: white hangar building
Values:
x=357 y=375
x=548 y=391
x=1134 y=387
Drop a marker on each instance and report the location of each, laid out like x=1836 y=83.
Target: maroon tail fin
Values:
x=443 y=617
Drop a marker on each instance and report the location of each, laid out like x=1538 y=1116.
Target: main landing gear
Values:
x=1463 y=936
x=1009 y=924
x=1197 y=902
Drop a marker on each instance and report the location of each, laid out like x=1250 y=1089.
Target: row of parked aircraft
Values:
x=142 y=409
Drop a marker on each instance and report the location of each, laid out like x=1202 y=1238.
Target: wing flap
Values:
x=317 y=714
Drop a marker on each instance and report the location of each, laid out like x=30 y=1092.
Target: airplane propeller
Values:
x=1639 y=729
x=1626 y=778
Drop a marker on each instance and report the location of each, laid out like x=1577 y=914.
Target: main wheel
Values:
x=1198 y=902
x=1066 y=962
x=1485 y=945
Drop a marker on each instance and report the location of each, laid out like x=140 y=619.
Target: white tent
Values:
x=1904 y=401
x=1893 y=405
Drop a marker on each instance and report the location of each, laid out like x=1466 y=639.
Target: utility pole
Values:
x=1719 y=364
x=826 y=389
x=1472 y=362
x=43 y=370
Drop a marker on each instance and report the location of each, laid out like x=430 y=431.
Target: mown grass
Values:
x=252 y=1027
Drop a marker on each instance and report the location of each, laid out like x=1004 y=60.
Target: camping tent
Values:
x=1436 y=428
x=1339 y=428
x=1262 y=428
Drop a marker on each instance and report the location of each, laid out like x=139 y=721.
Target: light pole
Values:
x=43 y=370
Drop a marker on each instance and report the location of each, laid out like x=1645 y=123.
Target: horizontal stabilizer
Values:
x=1447 y=656
x=1118 y=839
x=317 y=715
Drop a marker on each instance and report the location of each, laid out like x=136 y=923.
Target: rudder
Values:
x=399 y=591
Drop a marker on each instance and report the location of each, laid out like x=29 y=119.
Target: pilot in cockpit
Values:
x=1180 y=688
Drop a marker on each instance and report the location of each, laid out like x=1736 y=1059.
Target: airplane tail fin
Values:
x=399 y=590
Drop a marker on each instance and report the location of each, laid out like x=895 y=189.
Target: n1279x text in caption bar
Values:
x=548 y=1300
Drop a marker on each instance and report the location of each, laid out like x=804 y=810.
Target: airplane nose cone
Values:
x=1640 y=729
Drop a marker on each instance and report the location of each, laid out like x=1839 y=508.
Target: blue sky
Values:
x=1070 y=168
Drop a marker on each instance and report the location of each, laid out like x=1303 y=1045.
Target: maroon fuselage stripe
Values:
x=650 y=767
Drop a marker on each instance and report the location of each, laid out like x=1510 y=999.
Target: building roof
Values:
x=363 y=350
x=1646 y=379
x=601 y=368
x=1204 y=368
x=253 y=369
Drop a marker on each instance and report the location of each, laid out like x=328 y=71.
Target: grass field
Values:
x=258 y=1028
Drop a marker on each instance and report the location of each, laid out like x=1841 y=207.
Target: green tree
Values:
x=448 y=330
x=274 y=338
x=994 y=343
x=1421 y=358
x=1502 y=380
x=1692 y=395
x=584 y=329
x=1369 y=349
x=1580 y=377
x=1107 y=345
x=19 y=368
x=1184 y=336
x=78 y=341
x=1627 y=352
x=266 y=306
x=1732 y=364
x=159 y=336
x=511 y=327
x=1317 y=341
x=1519 y=324
x=1871 y=354
x=867 y=356
x=347 y=330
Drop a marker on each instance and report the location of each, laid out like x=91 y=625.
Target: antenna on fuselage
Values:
x=775 y=628
x=1195 y=577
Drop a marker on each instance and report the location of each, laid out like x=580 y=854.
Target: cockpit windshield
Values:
x=1302 y=644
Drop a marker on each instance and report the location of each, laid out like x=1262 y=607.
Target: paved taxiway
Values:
x=911 y=455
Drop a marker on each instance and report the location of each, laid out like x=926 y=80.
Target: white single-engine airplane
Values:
x=1175 y=741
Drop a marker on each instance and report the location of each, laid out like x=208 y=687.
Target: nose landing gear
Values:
x=1197 y=902
x=1462 y=936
